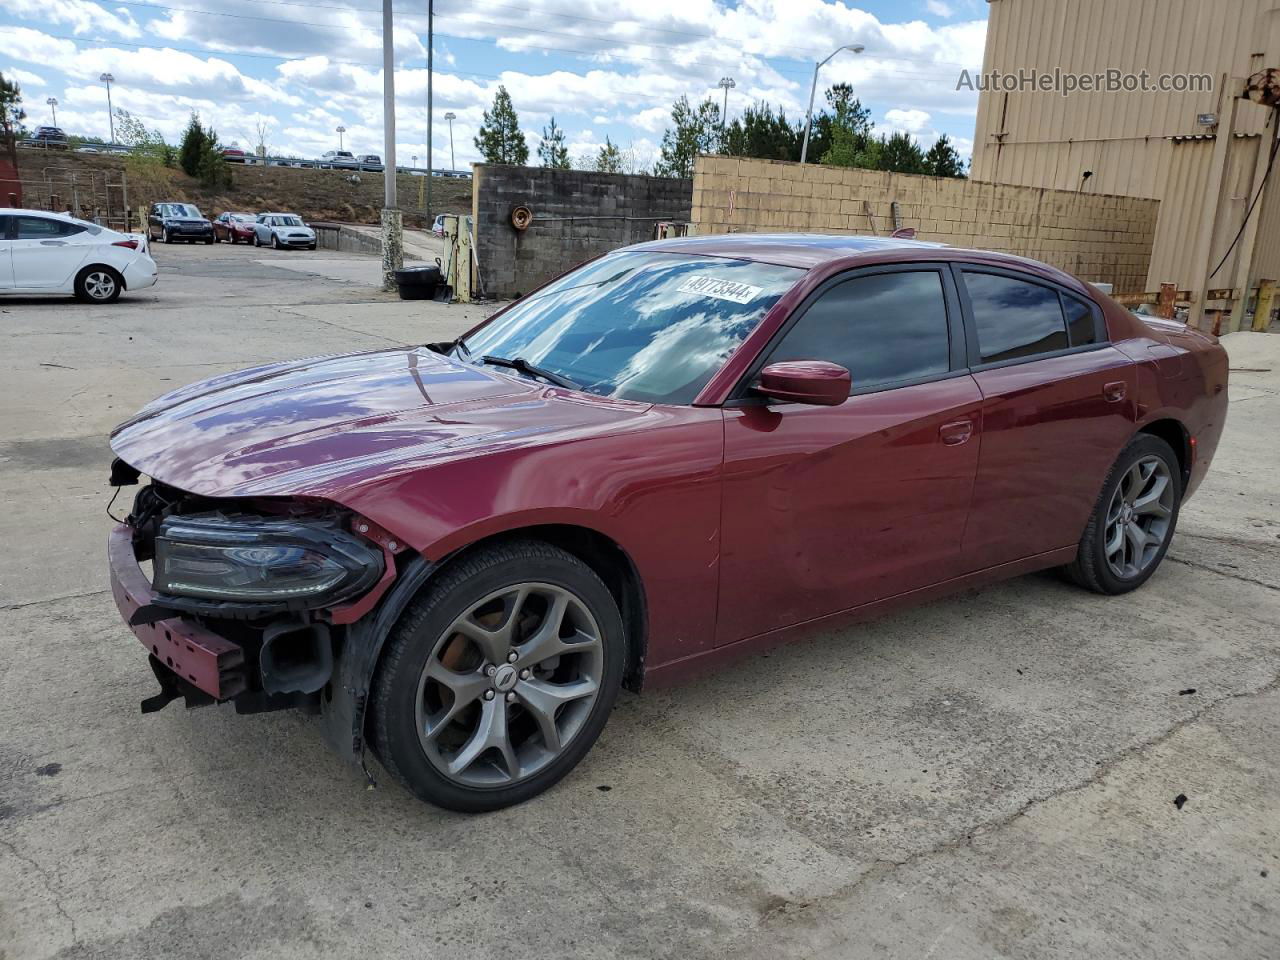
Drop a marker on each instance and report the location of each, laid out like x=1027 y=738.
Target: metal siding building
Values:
x=1147 y=144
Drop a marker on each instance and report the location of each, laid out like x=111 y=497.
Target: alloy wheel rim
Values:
x=509 y=685
x=1139 y=517
x=99 y=285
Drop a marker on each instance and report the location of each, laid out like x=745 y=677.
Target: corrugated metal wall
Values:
x=1124 y=139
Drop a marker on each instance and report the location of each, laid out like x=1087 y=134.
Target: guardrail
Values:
x=249 y=159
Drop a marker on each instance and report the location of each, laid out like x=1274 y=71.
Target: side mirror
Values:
x=806 y=381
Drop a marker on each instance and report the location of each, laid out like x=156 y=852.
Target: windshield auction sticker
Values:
x=721 y=289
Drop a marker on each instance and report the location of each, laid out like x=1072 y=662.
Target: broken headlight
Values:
x=247 y=559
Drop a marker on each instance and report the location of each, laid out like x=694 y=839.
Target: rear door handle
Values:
x=53 y=243
x=956 y=432
x=1114 y=392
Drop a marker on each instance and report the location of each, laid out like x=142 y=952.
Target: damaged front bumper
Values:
x=194 y=655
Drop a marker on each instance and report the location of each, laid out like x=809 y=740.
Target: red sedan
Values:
x=674 y=455
x=234 y=227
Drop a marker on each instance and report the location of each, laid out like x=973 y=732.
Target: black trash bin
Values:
x=419 y=283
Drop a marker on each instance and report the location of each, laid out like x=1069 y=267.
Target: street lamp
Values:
x=108 y=79
x=53 y=105
x=414 y=158
x=451 y=116
x=340 y=130
x=808 y=118
x=728 y=84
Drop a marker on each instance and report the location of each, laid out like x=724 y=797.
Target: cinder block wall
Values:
x=1097 y=237
x=576 y=215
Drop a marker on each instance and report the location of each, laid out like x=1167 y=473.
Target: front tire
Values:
x=275 y=242
x=99 y=284
x=1133 y=521
x=498 y=678
x=168 y=237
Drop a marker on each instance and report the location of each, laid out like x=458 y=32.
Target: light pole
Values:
x=108 y=79
x=808 y=117
x=414 y=158
x=727 y=84
x=451 y=116
x=392 y=219
x=53 y=105
x=339 y=130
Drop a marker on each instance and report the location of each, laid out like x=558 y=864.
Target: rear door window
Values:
x=45 y=228
x=1081 y=328
x=1015 y=319
x=886 y=329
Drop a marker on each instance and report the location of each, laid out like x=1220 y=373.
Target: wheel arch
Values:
x=1173 y=432
x=119 y=274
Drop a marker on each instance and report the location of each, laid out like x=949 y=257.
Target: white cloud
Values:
x=24 y=78
x=938 y=8
x=82 y=16
x=908 y=121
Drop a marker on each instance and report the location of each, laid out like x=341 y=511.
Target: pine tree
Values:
x=552 y=150
x=195 y=141
x=759 y=133
x=901 y=154
x=499 y=139
x=11 y=117
x=609 y=160
x=696 y=131
x=943 y=160
x=213 y=170
x=846 y=131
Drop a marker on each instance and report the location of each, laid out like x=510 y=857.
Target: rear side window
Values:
x=43 y=228
x=885 y=328
x=1081 y=329
x=1014 y=319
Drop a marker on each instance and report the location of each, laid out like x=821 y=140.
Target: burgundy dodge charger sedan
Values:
x=676 y=454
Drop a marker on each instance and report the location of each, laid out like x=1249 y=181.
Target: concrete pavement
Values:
x=991 y=775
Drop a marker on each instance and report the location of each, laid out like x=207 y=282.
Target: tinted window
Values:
x=4 y=228
x=1080 y=326
x=42 y=228
x=637 y=325
x=1014 y=319
x=885 y=328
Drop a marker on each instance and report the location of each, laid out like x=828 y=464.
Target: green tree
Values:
x=901 y=154
x=695 y=131
x=213 y=171
x=758 y=132
x=499 y=139
x=195 y=142
x=148 y=143
x=11 y=117
x=846 y=131
x=609 y=159
x=552 y=150
x=943 y=160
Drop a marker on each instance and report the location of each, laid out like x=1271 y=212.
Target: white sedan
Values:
x=43 y=252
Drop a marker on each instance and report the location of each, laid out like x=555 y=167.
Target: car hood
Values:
x=184 y=219
x=325 y=426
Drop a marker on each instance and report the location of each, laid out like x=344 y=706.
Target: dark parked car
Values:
x=171 y=222
x=677 y=454
x=234 y=227
x=51 y=138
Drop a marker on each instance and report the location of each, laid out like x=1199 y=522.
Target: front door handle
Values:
x=955 y=433
x=1115 y=391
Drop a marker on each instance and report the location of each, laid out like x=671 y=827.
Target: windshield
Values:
x=179 y=210
x=288 y=221
x=637 y=325
x=241 y=217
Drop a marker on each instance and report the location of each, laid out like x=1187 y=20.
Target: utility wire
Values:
x=1271 y=162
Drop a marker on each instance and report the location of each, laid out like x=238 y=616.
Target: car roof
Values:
x=785 y=249
x=810 y=250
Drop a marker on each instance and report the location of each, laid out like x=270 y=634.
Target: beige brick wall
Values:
x=1100 y=238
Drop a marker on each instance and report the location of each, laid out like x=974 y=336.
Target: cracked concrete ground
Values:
x=991 y=775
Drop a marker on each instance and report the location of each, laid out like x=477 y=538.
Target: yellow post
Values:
x=1266 y=300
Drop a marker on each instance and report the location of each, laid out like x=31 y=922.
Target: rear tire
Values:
x=1133 y=521
x=498 y=678
x=98 y=284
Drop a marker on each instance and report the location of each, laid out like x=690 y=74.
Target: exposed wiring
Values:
x=111 y=503
x=1271 y=162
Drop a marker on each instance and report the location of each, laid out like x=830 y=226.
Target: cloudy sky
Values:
x=601 y=67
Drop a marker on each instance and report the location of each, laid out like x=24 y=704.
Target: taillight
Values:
x=131 y=244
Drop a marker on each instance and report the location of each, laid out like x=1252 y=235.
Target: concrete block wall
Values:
x=1097 y=237
x=577 y=215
